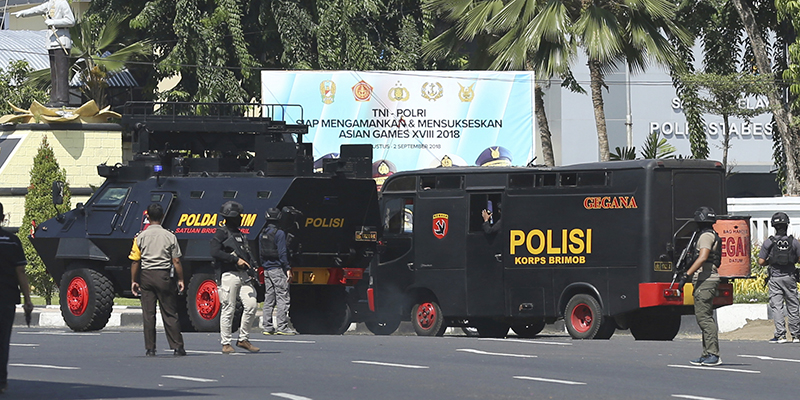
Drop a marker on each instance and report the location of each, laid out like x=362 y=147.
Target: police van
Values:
x=595 y=244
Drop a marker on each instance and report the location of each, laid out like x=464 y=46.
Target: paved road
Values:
x=58 y=364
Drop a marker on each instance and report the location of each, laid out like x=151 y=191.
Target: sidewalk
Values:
x=736 y=322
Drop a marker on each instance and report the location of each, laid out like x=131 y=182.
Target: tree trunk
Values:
x=726 y=141
x=597 y=84
x=544 y=127
x=782 y=116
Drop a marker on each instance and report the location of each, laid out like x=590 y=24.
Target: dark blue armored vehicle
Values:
x=191 y=158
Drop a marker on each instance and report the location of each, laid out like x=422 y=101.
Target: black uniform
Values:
x=11 y=257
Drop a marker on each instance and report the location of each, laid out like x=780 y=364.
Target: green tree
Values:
x=15 y=87
x=39 y=207
x=720 y=95
x=653 y=148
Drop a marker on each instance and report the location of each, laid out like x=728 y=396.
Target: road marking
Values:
x=42 y=366
x=211 y=352
x=283 y=341
x=768 y=358
x=60 y=333
x=528 y=341
x=188 y=378
x=390 y=364
x=690 y=397
x=746 y=371
x=23 y=344
x=290 y=396
x=533 y=378
x=486 y=353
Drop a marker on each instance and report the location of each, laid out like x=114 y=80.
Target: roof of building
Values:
x=29 y=46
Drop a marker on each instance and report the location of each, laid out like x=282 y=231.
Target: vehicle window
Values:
x=427 y=182
x=570 y=179
x=399 y=216
x=594 y=178
x=545 y=180
x=516 y=181
x=403 y=184
x=450 y=182
x=112 y=197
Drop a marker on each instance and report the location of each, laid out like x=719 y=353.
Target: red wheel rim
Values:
x=426 y=315
x=207 y=300
x=77 y=296
x=581 y=318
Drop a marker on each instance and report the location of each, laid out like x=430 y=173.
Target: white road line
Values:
x=23 y=344
x=486 y=353
x=188 y=378
x=391 y=364
x=290 y=396
x=211 y=352
x=690 y=397
x=42 y=366
x=528 y=341
x=60 y=333
x=746 y=371
x=533 y=378
x=283 y=341
x=768 y=358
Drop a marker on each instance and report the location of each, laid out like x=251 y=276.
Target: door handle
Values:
x=410 y=266
x=498 y=257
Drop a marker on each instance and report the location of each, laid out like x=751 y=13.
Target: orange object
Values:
x=735 y=235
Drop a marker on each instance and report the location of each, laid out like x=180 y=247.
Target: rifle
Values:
x=241 y=250
x=683 y=263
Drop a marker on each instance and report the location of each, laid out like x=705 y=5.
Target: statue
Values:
x=58 y=18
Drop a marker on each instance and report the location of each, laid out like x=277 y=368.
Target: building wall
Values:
x=77 y=151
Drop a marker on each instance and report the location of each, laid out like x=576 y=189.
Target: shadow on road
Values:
x=23 y=389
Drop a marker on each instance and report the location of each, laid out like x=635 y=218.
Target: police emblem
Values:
x=327 y=89
x=447 y=161
x=466 y=94
x=440 y=225
x=362 y=91
x=432 y=91
x=398 y=93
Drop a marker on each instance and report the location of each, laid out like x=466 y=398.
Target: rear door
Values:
x=484 y=262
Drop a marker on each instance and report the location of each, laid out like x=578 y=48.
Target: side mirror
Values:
x=58 y=192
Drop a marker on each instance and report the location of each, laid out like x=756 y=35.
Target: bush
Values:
x=753 y=290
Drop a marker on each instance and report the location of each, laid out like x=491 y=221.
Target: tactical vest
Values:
x=782 y=253
x=269 y=249
x=715 y=256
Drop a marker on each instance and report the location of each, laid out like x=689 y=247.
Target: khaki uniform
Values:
x=706 y=283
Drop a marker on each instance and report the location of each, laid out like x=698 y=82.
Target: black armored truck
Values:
x=193 y=157
x=597 y=245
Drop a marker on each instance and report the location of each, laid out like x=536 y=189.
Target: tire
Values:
x=470 y=331
x=491 y=328
x=320 y=311
x=427 y=319
x=584 y=318
x=203 y=304
x=87 y=298
x=384 y=326
x=527 y=331
x=655 y=326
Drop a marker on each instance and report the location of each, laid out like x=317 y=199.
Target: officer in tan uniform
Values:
x=155 y=250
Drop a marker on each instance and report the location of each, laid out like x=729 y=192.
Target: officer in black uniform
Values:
x=277 y=275
x=232 y=256
x=12 y=281
x=782 y=285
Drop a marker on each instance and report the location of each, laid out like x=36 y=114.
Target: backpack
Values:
x=269 y=249
x=782 y=252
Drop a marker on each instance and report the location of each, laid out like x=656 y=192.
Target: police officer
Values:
x=155 y=250
x=277 y=275
x=782 y=284
x=707 y=255
x=488 y=227
x=232 y=256
x=12 y=281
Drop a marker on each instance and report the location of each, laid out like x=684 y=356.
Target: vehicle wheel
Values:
x=204 y=306
x=87 y=298
x=322 y=311
x=655 y=326
x=383 y=326
x=528 y=331
x=470 y=331
x=584 y=317
x=202 y=303
x=491 y=329
x=427 y=319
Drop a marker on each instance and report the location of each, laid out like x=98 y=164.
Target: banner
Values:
x=413 y=119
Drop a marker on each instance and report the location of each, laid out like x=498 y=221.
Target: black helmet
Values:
x=231 y=209
x=273 y=214
x=705 y=214
x=780 y=218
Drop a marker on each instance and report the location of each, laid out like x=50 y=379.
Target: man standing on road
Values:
x=12 y=281
x=232 y=256
x=155 y=250
x=277 y=275
x=781 y=252
x=707 y=255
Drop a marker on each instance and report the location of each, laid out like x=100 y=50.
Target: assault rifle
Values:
x=684 y=263
x=242 y=250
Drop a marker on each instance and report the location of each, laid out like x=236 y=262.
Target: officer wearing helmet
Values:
x=781 y=252
x=707 y=255
x=232 y=256
x=277 y=275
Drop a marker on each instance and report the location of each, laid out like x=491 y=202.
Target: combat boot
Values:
x=227 y=349
x=245 y=344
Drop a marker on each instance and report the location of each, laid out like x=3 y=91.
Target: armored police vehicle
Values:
x=595 y=244
x=192 y=158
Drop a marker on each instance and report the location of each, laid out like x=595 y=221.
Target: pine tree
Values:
x=39 y=207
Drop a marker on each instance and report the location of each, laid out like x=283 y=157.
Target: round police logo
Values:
x=440 y=225
x=362 y=91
